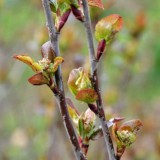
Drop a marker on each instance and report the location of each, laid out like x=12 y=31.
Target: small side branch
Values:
x=100 y=114
x=59 y=91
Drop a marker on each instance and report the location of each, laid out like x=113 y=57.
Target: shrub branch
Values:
x=59 y=90
x=93 y=61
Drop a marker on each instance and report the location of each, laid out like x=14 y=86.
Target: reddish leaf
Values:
x=96 y=3
x=38 y=79
x=87 y=95
x=115 y=20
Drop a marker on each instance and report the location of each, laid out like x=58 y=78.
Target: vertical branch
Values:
x=59 y=93
x=100 y=114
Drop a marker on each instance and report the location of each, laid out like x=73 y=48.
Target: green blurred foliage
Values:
x=31 y=126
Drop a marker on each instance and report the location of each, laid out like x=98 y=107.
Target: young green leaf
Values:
x=96 y=134
x=81 y=129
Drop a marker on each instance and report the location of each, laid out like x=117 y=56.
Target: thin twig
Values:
x=101 y=114
x=59 y=92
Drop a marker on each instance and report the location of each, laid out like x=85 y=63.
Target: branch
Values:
x=100 y=114
x=59 y=92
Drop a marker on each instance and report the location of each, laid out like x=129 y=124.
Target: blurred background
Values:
x=30 y=123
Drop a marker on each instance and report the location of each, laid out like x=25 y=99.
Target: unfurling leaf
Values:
x=53 y=5
x=38 y=79
x=107 y=27
x=81 y=129
x=83 y=81
x=73 y=114
x=96 y=134
x=76 y=80
x=59 y=6
x=87 y=95
x=73 y=76
x=29 y=61
x=57 y=62
x=63 y=7
x=47 y=51
x=45 y=63
x=96 y=3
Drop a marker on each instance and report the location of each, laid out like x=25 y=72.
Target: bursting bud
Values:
x=125 y=134
x=86 y=124
x=44 y=68
x=89 y=120
x=101 y=48
x=80 y=85
x=107 y=27
x=62 y=10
